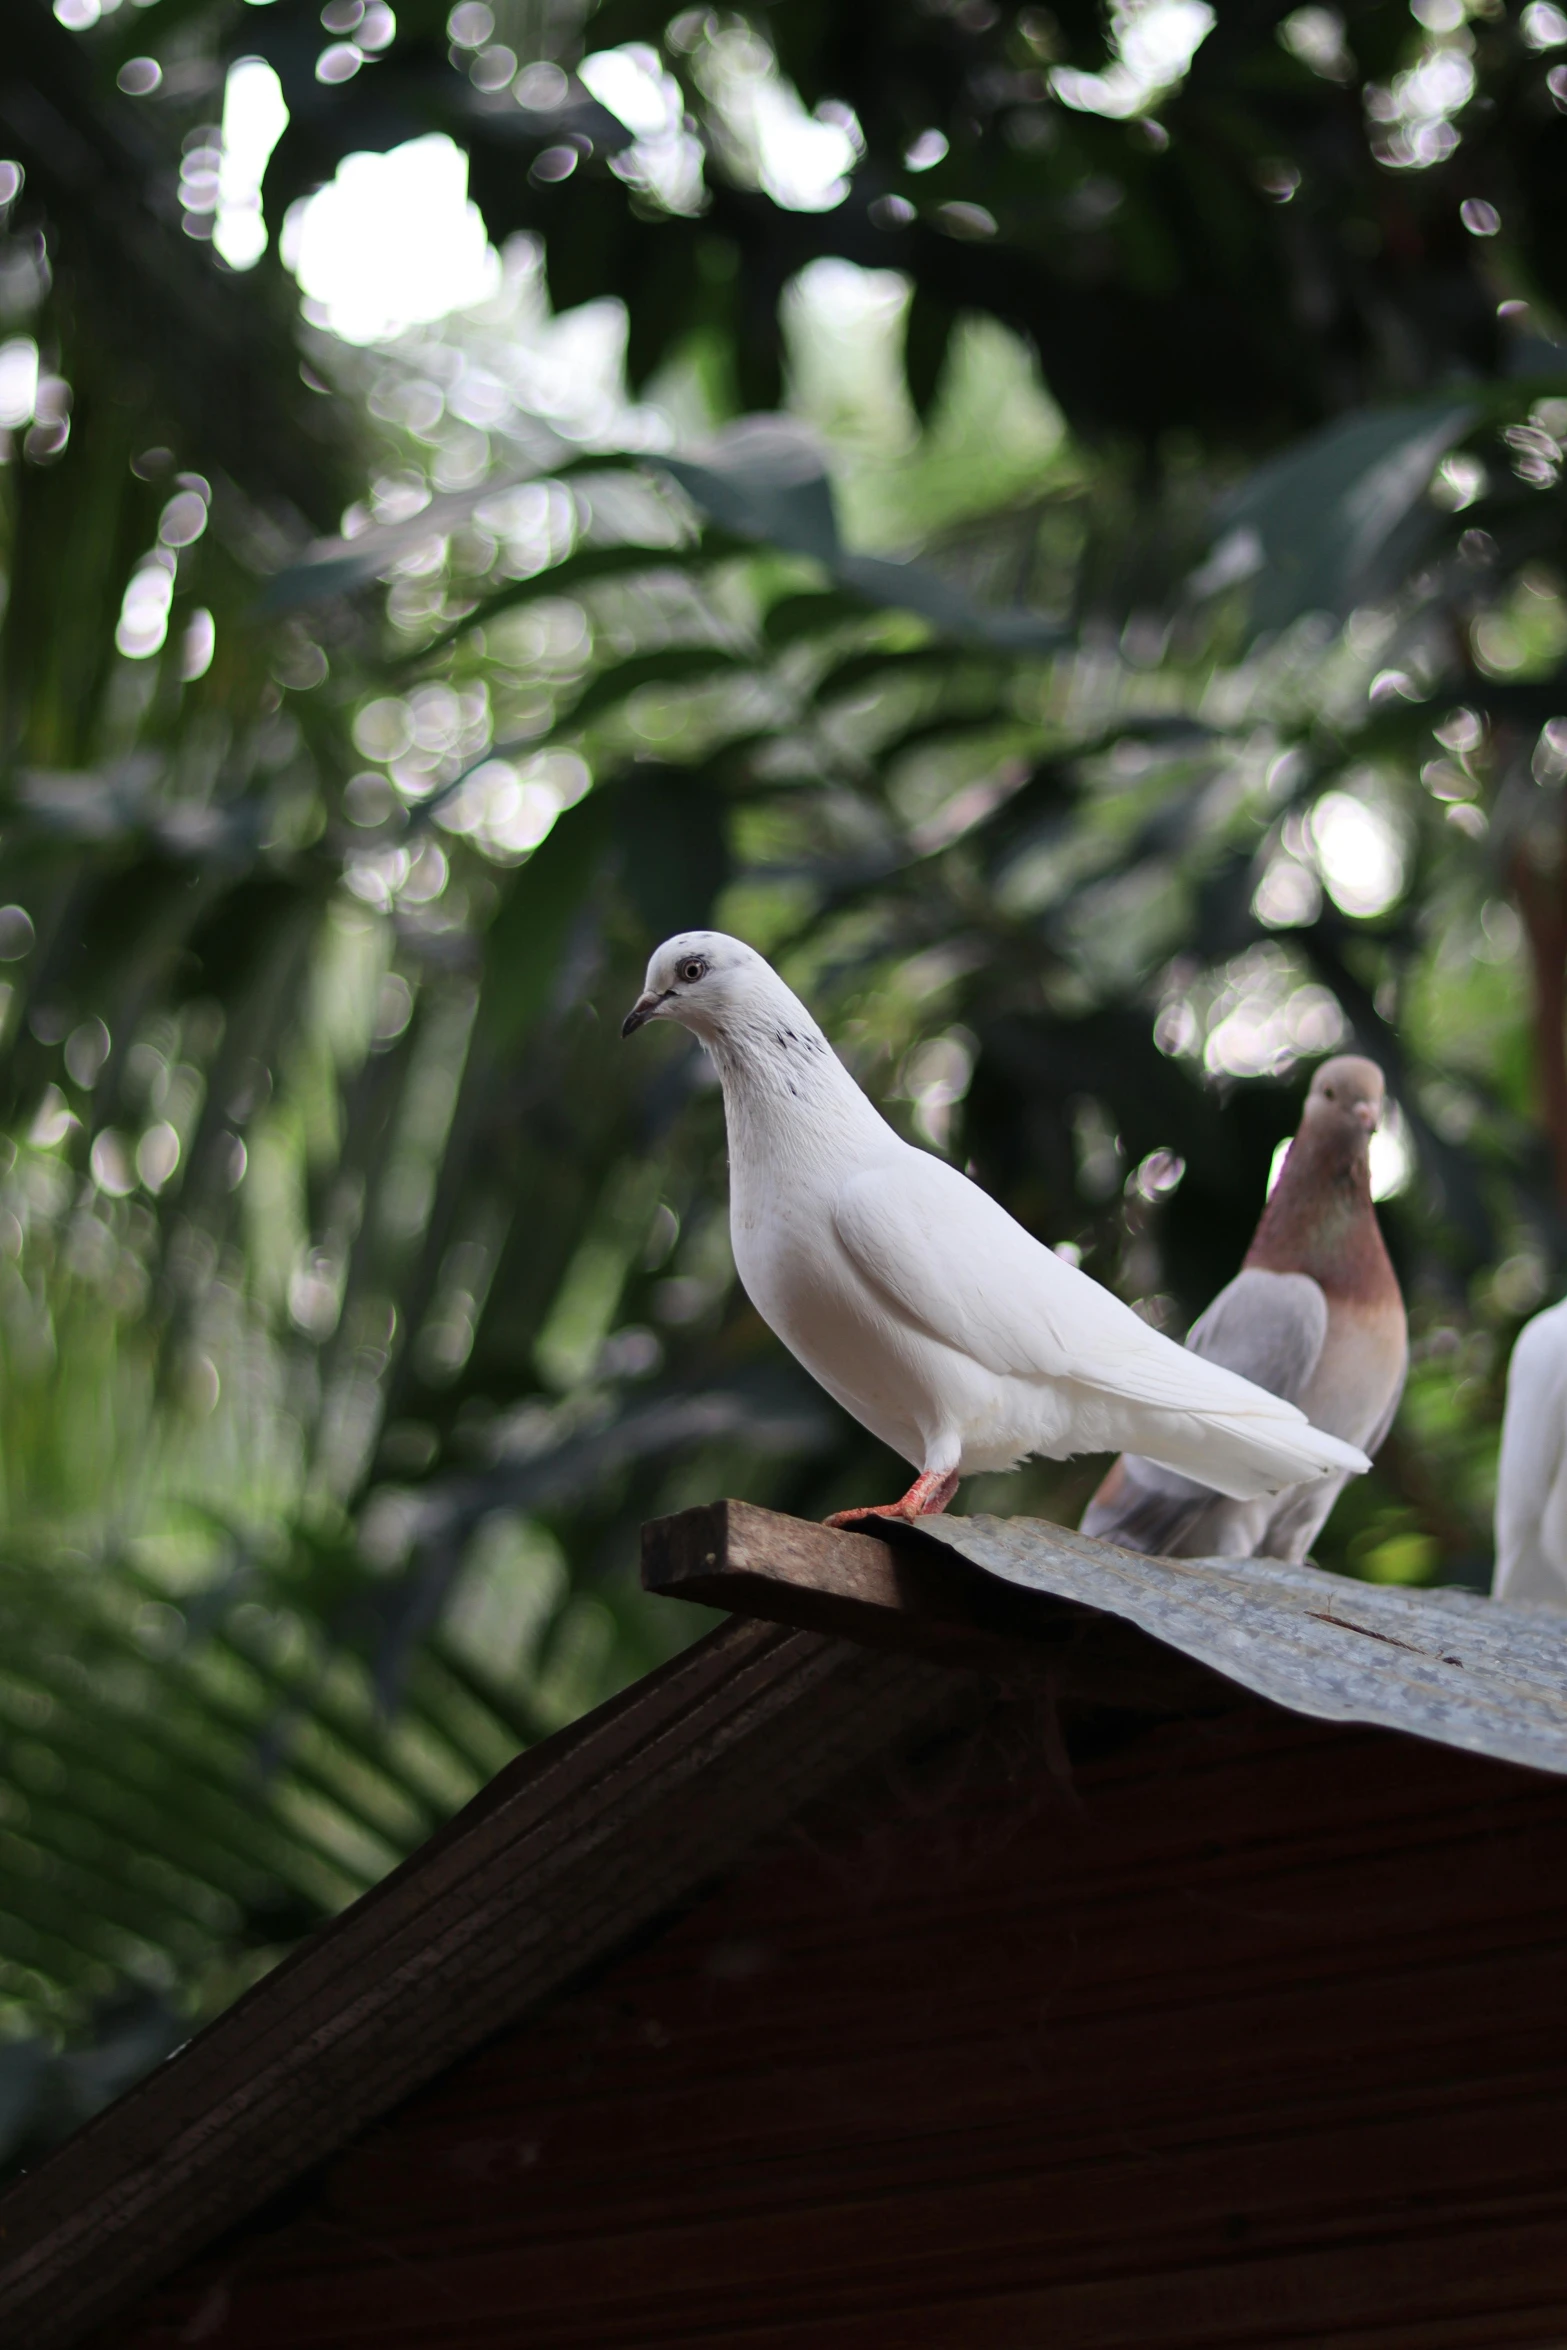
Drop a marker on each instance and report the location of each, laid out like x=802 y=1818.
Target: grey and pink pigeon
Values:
x=1314 y=1314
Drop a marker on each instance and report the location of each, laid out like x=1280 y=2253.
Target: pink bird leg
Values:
x=926 y=1498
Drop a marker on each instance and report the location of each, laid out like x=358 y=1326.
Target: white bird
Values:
x=1531 y=1475
x=916 y=1300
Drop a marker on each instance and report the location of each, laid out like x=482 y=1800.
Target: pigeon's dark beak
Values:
x=641 y=1013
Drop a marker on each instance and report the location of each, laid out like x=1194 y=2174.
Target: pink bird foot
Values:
x=926 y=1498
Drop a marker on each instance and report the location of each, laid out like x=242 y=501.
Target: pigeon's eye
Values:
x=693 y=971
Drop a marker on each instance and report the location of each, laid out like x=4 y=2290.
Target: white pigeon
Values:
x=916 y=1300
x=1531 y=1475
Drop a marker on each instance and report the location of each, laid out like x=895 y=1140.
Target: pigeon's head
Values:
x=1347 y=1096
x=704 y=980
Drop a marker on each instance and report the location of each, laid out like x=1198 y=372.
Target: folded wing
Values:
x=951 y=1261
x=1269 y=1327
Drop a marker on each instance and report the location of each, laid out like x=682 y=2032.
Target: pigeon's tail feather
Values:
x=1245 y=1457
x=1164 y=1532
x=1144 y=1508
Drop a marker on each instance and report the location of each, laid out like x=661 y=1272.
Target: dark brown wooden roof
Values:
x=563 y=1860
x=1057 y=2030
x=569 y=1851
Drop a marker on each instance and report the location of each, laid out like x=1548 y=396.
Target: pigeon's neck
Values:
x=1320 y=1221
x=787 y=1096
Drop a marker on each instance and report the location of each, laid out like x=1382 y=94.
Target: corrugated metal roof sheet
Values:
x=1441 y=1664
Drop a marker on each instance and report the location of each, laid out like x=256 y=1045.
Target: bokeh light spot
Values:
x=391 y=242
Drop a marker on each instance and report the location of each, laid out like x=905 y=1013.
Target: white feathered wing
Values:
x=947 y=1259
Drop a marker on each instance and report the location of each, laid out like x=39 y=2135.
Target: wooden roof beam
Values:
x=904 y=1592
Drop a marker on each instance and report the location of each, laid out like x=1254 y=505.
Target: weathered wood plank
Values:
x=906 y=1594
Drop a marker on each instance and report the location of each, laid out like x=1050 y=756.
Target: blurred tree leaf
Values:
x=1340 y=519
